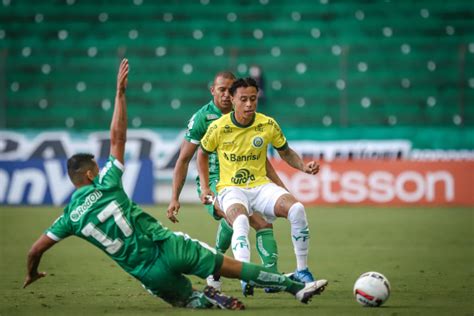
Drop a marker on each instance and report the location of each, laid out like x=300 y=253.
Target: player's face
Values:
x=220 y=92
x=245 y=102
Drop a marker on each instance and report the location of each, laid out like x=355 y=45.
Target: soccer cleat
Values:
x=247 y=289
x=310 y=289
x=221 y=300
x=217 y=284
x=302 y=276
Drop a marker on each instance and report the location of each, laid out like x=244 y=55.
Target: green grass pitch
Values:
x=426 y=253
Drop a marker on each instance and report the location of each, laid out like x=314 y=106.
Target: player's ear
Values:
x=90 y=174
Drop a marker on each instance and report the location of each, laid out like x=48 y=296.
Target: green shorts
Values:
x=178 y=255
x=210 y=207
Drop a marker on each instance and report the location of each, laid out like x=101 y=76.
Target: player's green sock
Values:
x=264 y=277
x=267 y=248
x=224 y=236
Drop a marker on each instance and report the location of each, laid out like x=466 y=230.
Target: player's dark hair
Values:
x=243 y=83
x=225 y=75
x=77 y=165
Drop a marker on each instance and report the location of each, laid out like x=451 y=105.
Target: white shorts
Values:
x=260 y=199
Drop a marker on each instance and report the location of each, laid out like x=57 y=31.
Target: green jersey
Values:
x=197 y=127
x=102 y=214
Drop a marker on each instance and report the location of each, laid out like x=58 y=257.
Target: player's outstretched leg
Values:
x=262 y=277
x=265 y=278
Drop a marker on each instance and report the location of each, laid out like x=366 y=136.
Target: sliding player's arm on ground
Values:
x=273 y=175
x=203 y=170
x=179 y=177
x=34 y=257
x=118 y=126
x=294 y=160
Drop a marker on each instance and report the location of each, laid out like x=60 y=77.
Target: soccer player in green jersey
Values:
x=241 y=139
x=101 y=213
x=197 y=126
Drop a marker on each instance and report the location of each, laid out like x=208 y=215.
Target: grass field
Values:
x=426 y=253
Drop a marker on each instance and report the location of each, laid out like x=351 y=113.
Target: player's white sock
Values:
x=299 y=234
x=240 y=239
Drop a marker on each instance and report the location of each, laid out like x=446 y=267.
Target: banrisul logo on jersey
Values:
x=237 y=158
x=257 y=142
x=242 y=176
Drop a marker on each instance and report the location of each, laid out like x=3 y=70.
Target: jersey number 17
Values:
x=111 y=246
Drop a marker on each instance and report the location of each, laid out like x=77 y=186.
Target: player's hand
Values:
x=207 y=196
x=122 y=77
x=32 y=278
x=311 y=167
x=173 y=210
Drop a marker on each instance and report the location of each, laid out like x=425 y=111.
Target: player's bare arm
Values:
x=34 y=257
x=294 y=160
x=118 y=126
x=179 y=177
x=203 y=170
x=273 y=176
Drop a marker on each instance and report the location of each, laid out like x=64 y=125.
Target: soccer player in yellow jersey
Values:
x=240 y=139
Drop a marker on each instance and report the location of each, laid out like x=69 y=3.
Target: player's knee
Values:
x=257 y=222
x=241 y=224
x=297 y=214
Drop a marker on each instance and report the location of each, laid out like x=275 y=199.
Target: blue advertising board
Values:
x=45 y=181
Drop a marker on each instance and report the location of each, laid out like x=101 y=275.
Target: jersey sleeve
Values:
x=210 y=140
x=196 y=129
x=60 y=229
x=111 y=174
x=279 y=141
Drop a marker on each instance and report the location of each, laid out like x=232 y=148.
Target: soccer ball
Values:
x=372 y=289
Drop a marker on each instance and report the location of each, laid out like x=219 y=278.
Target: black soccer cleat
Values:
x=221 y=300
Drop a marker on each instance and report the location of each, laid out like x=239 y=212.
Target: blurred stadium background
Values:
x=347 y=80
x=380 y=92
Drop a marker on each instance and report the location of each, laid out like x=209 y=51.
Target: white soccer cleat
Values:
x=217 y=284
x=310 y=289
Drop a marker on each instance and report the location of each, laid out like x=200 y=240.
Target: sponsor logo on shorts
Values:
x=242 y=176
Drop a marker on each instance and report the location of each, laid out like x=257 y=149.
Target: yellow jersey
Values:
x=242 y=150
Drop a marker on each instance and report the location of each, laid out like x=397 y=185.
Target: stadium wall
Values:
x=372 y=166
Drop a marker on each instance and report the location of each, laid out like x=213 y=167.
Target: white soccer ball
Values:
x=372 y=289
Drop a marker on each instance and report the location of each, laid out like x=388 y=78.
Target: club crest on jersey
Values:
x=257 y=142
x=242 y=176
